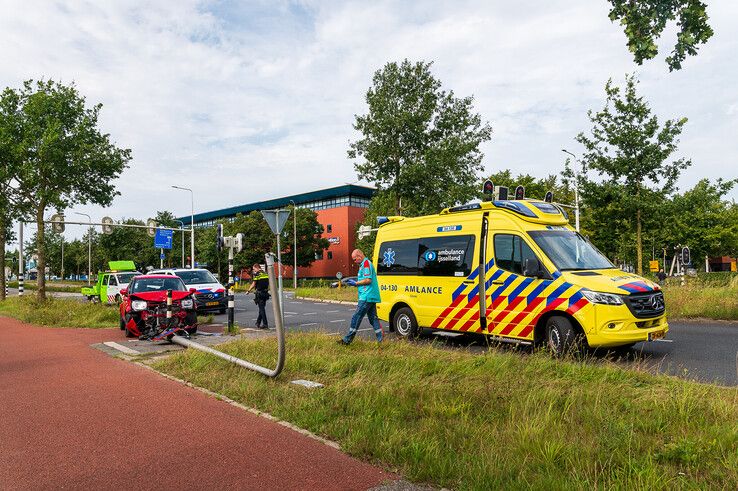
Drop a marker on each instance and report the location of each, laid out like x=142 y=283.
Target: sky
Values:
x=245 y=101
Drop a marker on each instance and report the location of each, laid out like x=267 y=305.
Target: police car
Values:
x=210 y=296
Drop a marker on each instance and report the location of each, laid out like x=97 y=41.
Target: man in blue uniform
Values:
x=368 y=289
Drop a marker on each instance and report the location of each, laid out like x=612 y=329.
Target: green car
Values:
x=111 y=282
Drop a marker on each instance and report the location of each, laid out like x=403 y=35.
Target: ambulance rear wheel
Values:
x=562 y=338
x=404 y=323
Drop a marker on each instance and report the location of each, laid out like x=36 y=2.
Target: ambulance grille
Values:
x=645 y=305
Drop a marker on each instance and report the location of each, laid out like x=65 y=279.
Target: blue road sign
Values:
x=161 y=256
x=163 y=239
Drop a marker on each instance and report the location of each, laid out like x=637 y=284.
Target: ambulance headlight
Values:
x=602 y=298
x=187 y=303
x=138 y=305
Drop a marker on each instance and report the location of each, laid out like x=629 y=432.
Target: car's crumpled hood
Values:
x=159 y=296
x=610 y=281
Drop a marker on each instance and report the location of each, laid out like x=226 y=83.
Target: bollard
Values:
x=20 y=285
x=230 y=292
x=169 y=308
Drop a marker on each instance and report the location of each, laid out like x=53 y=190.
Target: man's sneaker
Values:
x=342 y=342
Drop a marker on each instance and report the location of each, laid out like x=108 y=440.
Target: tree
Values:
x=645 y=20
x=418 y=141
x=534 y=187
x=701 y=219
x=310 y=241
x=65 y=159
x=10 y=138
x=629 y=150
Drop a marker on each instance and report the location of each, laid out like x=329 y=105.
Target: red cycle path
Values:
x=73 y=417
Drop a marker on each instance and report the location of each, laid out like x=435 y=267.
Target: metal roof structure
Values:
x=298 y=199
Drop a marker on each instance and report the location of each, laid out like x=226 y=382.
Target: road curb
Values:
x=252 y=410
x=325 y=300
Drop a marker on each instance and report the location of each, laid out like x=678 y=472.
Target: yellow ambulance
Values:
x=542 y=282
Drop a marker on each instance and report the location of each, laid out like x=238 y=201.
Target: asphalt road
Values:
x=706 y=351
x=703 y=351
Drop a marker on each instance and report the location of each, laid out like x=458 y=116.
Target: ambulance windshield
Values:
x=569 y=251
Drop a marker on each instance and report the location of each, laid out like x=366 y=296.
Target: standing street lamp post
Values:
x=192 y=224
x=89 y=247
x=181 y=226
x=576 y=188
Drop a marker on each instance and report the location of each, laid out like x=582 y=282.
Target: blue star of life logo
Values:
x=389 y=257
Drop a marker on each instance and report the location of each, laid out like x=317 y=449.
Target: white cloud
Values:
x=249 y=101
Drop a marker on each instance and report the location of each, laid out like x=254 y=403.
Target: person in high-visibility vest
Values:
x=260 y=283
x=368 y=290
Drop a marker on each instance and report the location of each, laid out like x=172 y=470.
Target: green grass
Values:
x=50 y=286
x=60 y=312
x=697 y=301
x=495 y=421
x=347 y=294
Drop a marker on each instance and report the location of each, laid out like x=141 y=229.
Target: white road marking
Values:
x=332 y=311
x=339 y=320
x=664 y=340
x=291 y=313
x=121 y=348
x=309 y=324
x=310 y=313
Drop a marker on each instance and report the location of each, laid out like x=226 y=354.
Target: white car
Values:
x=210 y=293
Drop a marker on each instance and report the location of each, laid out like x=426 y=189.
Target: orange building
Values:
x=339 y=209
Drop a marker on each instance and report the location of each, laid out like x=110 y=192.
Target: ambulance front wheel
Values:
x=561 y=336
x=404 y=323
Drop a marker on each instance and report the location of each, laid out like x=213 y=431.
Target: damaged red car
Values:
x=143 y=312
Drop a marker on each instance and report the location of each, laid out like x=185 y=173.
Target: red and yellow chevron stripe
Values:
x=514 y=303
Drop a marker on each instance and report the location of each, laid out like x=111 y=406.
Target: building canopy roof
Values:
x=298 y=199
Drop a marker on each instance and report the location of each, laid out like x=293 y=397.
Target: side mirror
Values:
x=124 y=292
x=533 y=268
x=193 y=291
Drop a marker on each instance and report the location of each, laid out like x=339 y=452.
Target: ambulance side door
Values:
x=444 y=263
x=514 y=299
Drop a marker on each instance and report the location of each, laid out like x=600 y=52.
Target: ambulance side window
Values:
x=446 y=255
x=113 y=281
x=398 y=257
x=511 y=252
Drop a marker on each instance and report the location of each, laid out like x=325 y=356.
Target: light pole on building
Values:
x=89 y=247
x=192 y=224
x=576 y=188
x=294 y=250
x=181 y=226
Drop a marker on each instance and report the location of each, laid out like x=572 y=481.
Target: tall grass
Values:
x=694 y=300
x=494 y=421
x=60 y=312
x=344 y=294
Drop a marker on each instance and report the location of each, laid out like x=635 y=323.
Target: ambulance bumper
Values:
x=617 y=332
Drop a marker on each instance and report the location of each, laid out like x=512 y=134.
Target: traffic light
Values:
x=151 y=224
x=219 y=237
x=501 y=193
x=520 y=193
x=685 y=255
x=107 y=225
x=488 y=188
x=57 y=223
x=549 y=197
x=239 y=242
